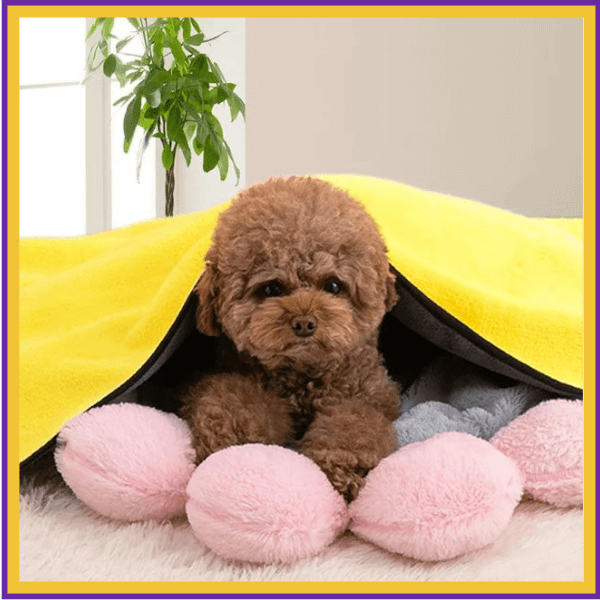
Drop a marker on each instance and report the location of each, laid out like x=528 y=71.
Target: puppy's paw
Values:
x=229 y=409
x=347 y=443
x=345 y=470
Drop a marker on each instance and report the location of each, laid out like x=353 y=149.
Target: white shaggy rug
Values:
x=61 y=540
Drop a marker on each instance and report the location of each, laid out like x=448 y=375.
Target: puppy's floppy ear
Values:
x=207 y=291
x=392 y=296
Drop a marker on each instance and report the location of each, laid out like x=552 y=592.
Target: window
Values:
x=52 y=127
x=74 y=176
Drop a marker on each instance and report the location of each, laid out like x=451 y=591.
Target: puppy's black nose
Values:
x=304 y=325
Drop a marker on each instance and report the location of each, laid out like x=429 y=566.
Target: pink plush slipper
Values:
x=547 y=444
x=430 y=500
x=264 y=504
x=439 y=498
x=127 y=461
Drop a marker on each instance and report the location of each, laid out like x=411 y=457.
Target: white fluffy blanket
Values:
x=61 y=540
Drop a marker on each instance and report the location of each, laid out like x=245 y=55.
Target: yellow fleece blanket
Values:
x=93 y=309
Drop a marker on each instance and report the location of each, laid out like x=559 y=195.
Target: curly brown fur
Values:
x=296 y=284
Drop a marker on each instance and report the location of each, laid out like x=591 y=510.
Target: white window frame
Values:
x=98 y=204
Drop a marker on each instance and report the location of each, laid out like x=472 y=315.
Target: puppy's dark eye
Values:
x=333 y=286
x=272 y=289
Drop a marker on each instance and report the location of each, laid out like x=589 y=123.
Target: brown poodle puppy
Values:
x=296 y=284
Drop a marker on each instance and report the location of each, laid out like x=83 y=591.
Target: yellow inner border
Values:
x=14 y=586
x=307 y=11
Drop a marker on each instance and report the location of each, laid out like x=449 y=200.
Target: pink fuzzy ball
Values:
x=547 y=444
x=437 y=499
x=264 y=504
x=127 y=461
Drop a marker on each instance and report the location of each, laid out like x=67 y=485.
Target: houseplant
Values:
x=176 y=87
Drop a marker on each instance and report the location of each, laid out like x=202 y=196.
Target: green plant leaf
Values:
x=211 y=156
x=167 y=157
x=144 y=143
x=95 y=25
x=107 y=27
x=155 y=79
x=147 y=119
x=135 y=23
x=235 y=167
x=237 y=172
x=215 y=123
x=132 y=116
x=151 y=129
x=167 y=91
x=199 y=66
x=236 y=106
x=191 y=50
x=203 y=132
x=135 y=76
x=187 y=29
x=193 y=106
x=103 y=46
x=223 y=165
x=122 y=99
x=174 y=122
x=110 y=64
x=151 y=113
x=193 y=114
x=121 y=72
x=220 y=94
x=189 y=129
x=195 y=40
x=178 y=53
x=154 y=99
x=147 y=123
x=158 y=46
x=214 y=67
x=91 y=58
x=187 y=153
x=180 y=138
x=198 y=146
x=172 y=25
x=195 y=25
x=122 y=43
x=156 y=25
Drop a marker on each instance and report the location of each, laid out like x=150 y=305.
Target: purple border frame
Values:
x=5 y=4
x=303 y=3
x=302 y=596
x=4 y=299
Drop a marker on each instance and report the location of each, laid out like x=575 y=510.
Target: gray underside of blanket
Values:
x=452 y=394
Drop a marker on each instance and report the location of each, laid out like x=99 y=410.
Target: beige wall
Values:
x=489 y=109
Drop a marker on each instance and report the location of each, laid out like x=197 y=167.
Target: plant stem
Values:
x=169 y=191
